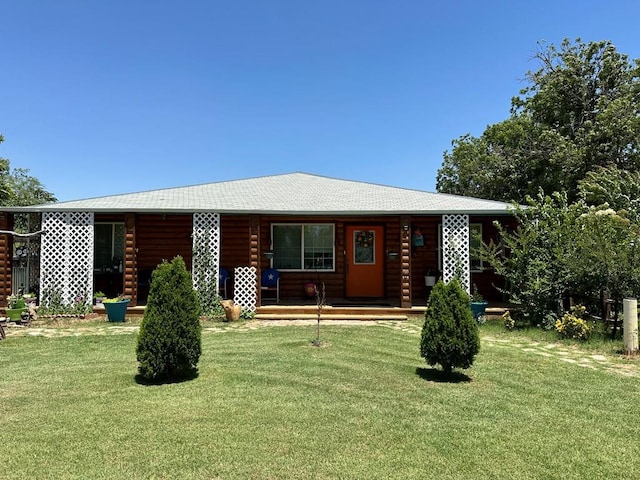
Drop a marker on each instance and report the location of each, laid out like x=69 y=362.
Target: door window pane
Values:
x=363 y=248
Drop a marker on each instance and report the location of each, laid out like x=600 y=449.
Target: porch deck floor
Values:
x=337 y=309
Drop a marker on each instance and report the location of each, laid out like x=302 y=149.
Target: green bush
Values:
x=509 y=322
x=169 y=343
x=449 y=335
x=572 y=325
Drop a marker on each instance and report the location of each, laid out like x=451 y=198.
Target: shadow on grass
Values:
x=140 y=380
x=436 y=375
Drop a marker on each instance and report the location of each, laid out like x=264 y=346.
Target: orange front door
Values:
x=365 y=261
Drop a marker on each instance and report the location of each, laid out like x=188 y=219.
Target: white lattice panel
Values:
x=206 y=249
x=245 y=285
x=66 y=255
x=455 y=249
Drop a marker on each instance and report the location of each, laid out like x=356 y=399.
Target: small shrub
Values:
x=573 y=325
x=169 y=342
x=53 y=304
x=549 y=321
x=449 y=334
x=509 y=322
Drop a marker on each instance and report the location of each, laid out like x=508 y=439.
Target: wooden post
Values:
x=405 y=261
x=254 y=251
x=130 y=277
x=630 y=336
x=6 y=257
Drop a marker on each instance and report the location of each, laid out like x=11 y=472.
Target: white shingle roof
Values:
x=294 y=193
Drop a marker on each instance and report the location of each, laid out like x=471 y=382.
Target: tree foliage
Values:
x=449 y=333
x=604 y=259
x=616 y=188
x=18 y=188
x=580 y=110
x=560 y=249
x=534 y=259
x=169 y=343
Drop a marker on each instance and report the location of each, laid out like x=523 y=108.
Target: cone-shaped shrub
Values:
x=449 y=334
x=169 y=346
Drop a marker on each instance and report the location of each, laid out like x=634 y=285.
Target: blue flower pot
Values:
x=478 y=308
x=116 y=310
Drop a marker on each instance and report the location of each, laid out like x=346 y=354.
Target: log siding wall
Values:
x=6 y=256
x=151 y=238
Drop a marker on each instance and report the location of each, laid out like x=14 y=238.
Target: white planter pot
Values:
x=430 y=280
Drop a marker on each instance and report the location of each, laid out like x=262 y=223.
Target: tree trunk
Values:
x=614 y=326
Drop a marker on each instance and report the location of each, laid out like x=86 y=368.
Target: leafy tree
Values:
x=534 y=258
x=580 y=110
x=560 y=249
x=18 y=188
x=604 y=257
x=26 y=190
x=449 y=333
x=169 y=343
x=614 y=187
x=510 y=161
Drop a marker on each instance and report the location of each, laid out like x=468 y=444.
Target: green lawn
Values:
x=268 y=405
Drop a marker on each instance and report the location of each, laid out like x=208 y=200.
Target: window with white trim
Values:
x=303 y=246
x=475 y=239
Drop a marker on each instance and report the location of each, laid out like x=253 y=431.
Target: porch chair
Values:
x=224 y=279
x=270 y=282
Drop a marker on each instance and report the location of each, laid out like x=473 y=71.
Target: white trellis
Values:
x=206 y=250
x=244 y=287
x=455 y=249
x=66 y=255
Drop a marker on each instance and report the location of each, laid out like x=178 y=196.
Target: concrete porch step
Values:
x=330 y=311
x=330 y=316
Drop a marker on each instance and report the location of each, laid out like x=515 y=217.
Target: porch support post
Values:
x=6 y=256
x=455 y=250
x=254 y=251
x=405 y=258
x=66 y=256
x=205 y=250
x=130 y=287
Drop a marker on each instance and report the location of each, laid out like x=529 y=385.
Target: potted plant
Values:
x=30 y=298
x=116 y=308
x=15 y=306
x=478 y=303
x=430 y=278
x=98 y=298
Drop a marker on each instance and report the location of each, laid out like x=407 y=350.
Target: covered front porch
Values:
x=402 y=248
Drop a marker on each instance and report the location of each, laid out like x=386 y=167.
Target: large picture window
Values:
x=303 y=246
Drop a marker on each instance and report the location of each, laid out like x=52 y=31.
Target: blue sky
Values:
x=107 y=97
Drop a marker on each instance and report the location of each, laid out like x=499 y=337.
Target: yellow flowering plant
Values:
x=509 y=322
x=573 y=325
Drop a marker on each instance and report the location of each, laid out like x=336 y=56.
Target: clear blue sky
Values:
x=114 y=96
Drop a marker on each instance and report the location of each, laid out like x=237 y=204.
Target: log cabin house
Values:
x=367 y=243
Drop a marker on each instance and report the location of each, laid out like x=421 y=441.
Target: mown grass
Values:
x=268 y=405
